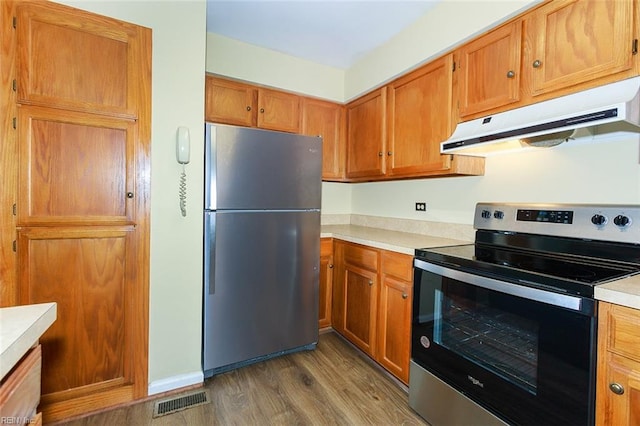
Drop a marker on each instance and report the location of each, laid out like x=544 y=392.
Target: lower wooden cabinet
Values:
x=326 y=280
x=618 y=381
x=20 y=391
x=372 y=303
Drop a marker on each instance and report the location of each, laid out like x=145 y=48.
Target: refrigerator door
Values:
x=248 y=169
x=261 y=285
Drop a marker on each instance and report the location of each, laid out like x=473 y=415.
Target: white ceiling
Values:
x=330 y=32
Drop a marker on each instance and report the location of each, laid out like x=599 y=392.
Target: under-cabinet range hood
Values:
x=606 y=109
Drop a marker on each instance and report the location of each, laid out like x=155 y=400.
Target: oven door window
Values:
x=483 y=330
x=529 y=362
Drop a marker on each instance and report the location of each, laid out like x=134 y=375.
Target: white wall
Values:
x=179 y=46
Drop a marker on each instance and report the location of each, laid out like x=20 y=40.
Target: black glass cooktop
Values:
x=567 y=273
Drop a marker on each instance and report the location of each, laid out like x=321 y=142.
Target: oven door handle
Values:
x=565 y=301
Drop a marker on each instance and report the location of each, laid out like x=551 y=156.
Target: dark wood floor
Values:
x=332 y=385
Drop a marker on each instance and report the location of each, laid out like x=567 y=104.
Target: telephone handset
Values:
x=182 y=156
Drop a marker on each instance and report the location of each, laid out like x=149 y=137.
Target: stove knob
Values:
x=598 y=219
x=498 y=214
x=622 y=221
x=486 y=214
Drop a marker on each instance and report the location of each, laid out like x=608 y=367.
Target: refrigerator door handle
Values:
x=210 y=252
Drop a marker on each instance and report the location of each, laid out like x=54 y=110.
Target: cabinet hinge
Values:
x=15 y=246
x=15 y=123
x=453 y=67
x=15 y=210
x=634 y=47
x=15 y=22
x=15 y=85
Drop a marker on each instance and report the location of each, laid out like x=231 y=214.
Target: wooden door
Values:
x=489 y=70
x=366 y=135
x=278 y=111
x=394 y=313
x=579 y=41
x=360 y=307
x=230 y=102
x=618 y=409
x=83 y=135
x=326 y=119
x=419 y=119
x=326 y=280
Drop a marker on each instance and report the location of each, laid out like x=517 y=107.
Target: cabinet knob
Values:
x=511 y=74
x=370 y=282
x=389 y=153
x=331 y=266
x=129 y=194
x=380 y=154
x=616 y=388
x=537 y=63
x=248 y=108
x=405 y=295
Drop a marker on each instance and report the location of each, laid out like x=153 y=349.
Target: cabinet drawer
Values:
x=326 y=246
x=361 y=256
x=397 y=265
x=20 y=390
x=624 y=324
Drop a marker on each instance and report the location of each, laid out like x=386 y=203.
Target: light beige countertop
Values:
x=625 y=292
x=401 y=242
x=20 y=329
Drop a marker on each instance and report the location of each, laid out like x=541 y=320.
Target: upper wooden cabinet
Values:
x=326 y=119
x=241 y=104
x=489 y=70
x=366 y=135
x=579 y=41
x=49 y=42
x=419 y=118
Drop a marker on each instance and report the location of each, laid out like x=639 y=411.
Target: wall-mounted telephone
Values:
x=183 y=152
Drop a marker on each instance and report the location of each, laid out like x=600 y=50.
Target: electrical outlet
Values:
x=421 y=207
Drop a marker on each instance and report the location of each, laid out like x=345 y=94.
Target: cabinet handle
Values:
x=537 y=63
x=405 y=295
x=380 y=154
x=129 y=194
x=370 y=282
x=331 y=266
x=262 y=110
x=616 y=388
x=248 y=108
x=389 y=153
x=511 y=74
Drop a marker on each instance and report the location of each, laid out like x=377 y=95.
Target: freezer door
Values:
x=261 y=285
x=248 y=169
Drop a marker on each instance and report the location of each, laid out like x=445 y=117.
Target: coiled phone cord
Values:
x=183 y=192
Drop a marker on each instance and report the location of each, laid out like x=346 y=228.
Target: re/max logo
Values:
x=475 y=381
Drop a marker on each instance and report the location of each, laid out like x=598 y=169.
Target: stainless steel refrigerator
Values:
x=261 y=245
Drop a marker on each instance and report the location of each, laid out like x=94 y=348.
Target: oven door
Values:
x=524 y=354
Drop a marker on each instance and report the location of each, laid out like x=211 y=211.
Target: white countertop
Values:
x=20 y=329
x=625 y=292
x=401 y=242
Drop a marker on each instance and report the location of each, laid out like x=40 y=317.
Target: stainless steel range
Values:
x=504 y=330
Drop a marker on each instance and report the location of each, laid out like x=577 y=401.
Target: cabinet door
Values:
x=366 y=135
x=326 y=119
x=394 y=327
x=86 y=64
x=618 y=409
x=580 y=40
x=489 y=70
x=419 y=118
x=360 y=307
x=230 y=102
x=326 y=280
x=278 y=111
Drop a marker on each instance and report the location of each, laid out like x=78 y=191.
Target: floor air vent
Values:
x=173 y=405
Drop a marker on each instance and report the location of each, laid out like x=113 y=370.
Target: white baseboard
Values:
x=175 y=382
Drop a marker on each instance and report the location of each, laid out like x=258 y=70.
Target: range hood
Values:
x=606 y=109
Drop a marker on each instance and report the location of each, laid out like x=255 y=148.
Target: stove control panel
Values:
x=619 y=223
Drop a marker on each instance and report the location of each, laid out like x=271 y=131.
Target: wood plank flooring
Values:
x=334 y=384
